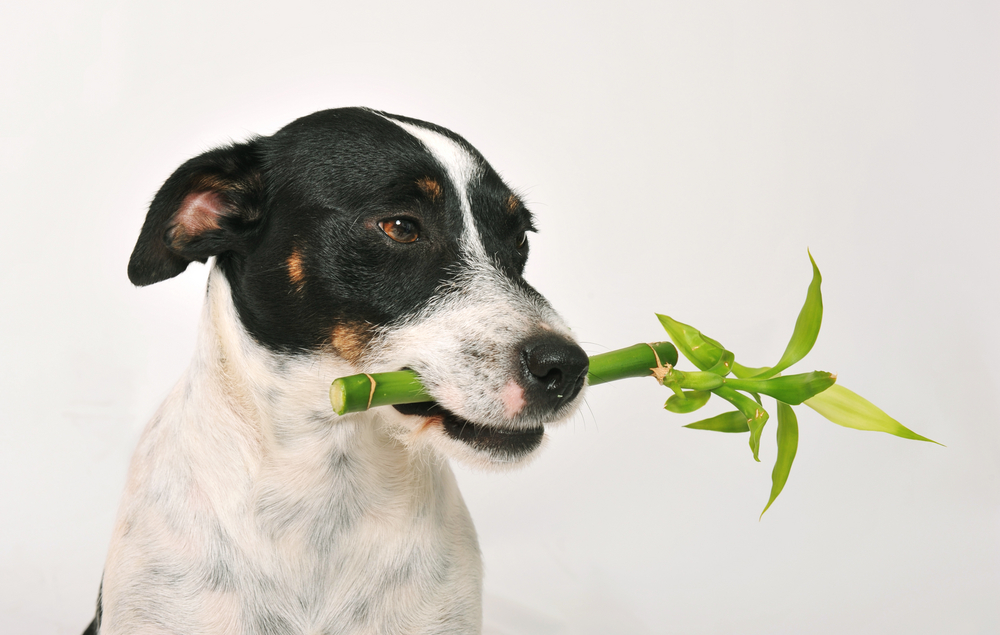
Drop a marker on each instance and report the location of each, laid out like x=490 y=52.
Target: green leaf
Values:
x=746 y=372
x=791 y=389
x=806 y=326
x=848 y=409
x=725 y=364
x=692 y=400
x=703 y=351
x=697 y=380
x=733 y=421
x=788 y=443
x=753 y=411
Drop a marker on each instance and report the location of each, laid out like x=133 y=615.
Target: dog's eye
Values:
x=522 y=240
x=402 y=230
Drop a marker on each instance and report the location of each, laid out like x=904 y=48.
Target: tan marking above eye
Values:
x=296 y=273
x=430 y=187
x=402 y=230
x=512 y=203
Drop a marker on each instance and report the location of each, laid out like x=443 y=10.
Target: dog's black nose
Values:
x=554 y=369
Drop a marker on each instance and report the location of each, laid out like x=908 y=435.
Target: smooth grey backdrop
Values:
x=680 y=158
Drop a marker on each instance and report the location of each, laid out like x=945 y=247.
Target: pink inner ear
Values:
x=199 y=212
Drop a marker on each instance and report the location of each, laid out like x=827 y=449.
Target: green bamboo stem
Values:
x=635 y=361
x=355 y=393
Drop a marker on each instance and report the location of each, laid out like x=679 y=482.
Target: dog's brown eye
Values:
x=522 y=240
x=402 y=230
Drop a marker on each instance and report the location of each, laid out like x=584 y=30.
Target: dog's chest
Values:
x=337 y=532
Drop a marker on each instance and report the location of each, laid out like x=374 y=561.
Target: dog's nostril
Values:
x=542 y=363
x=555 y=368
x=552 y=379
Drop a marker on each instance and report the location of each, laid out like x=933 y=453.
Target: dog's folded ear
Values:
x=208 y=206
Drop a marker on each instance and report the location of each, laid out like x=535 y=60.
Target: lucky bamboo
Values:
x=361 y=392
x=692 y=389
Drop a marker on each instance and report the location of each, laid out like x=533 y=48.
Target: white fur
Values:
x=484 y=311
x=462 y=171
x=246 y=483
x=479 y=308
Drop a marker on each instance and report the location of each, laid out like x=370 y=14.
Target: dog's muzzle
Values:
x=550 y=371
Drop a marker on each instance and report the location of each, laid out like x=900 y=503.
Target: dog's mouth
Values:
x=502 y=443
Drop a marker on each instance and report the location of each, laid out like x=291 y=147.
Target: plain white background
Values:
x=680 y=158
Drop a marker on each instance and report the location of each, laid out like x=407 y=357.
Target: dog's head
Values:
x=390 y=243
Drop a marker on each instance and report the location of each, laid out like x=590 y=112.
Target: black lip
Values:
x=500 y=442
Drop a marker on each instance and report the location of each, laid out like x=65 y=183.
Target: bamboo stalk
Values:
x=693 y=389
x=637 y=360
x=357 y=393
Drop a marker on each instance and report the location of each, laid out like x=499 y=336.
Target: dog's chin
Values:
x=479 y=444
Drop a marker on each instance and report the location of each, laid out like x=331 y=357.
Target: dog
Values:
x=349 y=241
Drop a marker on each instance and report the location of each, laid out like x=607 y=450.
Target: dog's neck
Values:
x=251 y=416
x=281 y=395
x=274 y=496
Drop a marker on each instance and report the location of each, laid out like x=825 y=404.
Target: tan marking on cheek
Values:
x=430 y=188
x=425 y=427
x=296 y=273
x=512 y=203
x=351 y=340
x=430 y=422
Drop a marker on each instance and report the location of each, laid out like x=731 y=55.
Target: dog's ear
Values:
x=209 y=205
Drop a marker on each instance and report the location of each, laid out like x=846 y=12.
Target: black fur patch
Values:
x=318 y=188
x=95 y=624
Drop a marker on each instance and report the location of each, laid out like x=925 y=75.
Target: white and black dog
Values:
x=349 y=241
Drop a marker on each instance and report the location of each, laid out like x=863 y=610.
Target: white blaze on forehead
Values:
x=462 y=169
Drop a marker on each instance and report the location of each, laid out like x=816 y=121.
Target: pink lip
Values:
x=512 y=397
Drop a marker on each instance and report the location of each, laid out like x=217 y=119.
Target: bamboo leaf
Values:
x=701 y=350
x=691 y=401
x=788 y=443
x=790 y=389
x=725 y=364
x=755 y=414
x=733 y=421
x=806 y=326
x=746 y=372
x=698 y=380
x=848 y=409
